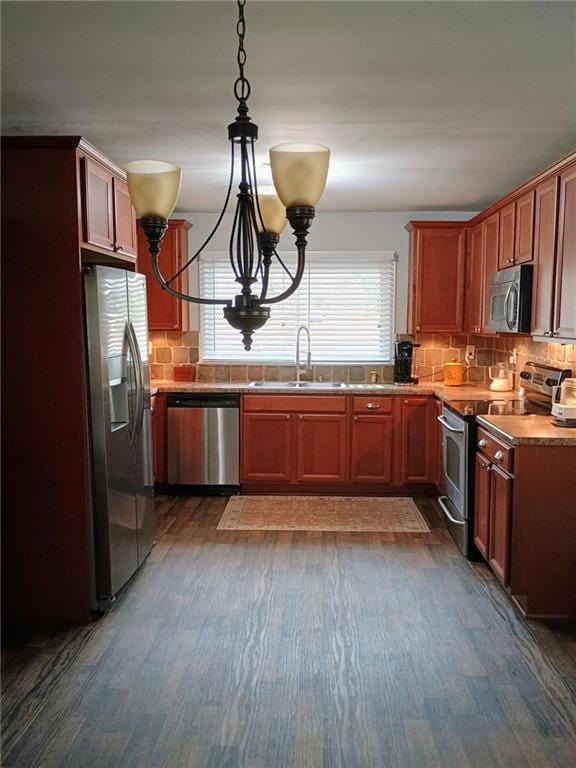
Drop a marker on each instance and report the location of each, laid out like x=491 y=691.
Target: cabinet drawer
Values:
x=498 y=453
x=295 y=404
x=373 y=404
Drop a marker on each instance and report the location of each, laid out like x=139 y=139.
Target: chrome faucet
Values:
x=308 y=356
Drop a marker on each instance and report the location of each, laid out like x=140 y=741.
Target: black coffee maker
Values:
x=403 y=351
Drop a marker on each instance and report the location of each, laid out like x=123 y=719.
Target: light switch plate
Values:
x=470 y=352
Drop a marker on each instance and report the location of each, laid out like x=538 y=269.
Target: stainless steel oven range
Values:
x=459 y=435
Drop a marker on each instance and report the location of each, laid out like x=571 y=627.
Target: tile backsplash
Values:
x=174 y=348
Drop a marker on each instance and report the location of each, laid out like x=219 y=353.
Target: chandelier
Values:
x=299 y=172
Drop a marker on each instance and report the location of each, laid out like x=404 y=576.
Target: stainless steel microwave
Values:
x=510 y=300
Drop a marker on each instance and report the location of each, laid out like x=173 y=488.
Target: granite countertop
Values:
x=443 y=392
x=528 y=430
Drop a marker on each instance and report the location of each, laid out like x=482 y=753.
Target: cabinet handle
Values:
x=487 y=467
x=119 y=247
x=482 y=443
x=287 y=415
x=417 y=327
x=372 y=406
x=509 y=261
x=300 y=417
x=355 y=418
x=498 y=455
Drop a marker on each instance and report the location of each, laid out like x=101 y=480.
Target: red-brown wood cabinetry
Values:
x=500 y=512
x=565 y=294
x=482 y=505
x=320 y=443
x=507 y=232
x=524 y=229
x=418 y=419
x=266 y=448
x=490 y=245
x=165 y=312
x=474 y=281
x=372 y=448
x=108 y=218
x=545 y=232
x=438 y=271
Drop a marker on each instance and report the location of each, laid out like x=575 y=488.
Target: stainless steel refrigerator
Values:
x=120 y=426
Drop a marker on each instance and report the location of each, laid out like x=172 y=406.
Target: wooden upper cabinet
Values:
x=524 y=237
x=125 y=237
x=565 y=294
x=418 y=421
x=545 y=230
x=490 y=245
x=108 y=218
x=165 y=312
x=438 y=269
x=507 y=236
x=98 y=204
x=474 y=282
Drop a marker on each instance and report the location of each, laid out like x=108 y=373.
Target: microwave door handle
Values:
x=507 y=307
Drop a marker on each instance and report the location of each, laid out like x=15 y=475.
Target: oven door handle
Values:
x=441 y=501
x=450 y=428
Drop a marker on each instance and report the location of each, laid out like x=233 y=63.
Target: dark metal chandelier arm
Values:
x=283 y=265
x=177 y=294
x=215 y=228
x=296 y=280
x=254 y=187
x=300 y=219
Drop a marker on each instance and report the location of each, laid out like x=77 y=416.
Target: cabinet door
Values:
x=474 y=282
x=320 y=448
x=439 y=266
x=490 y=246
x=98 y=204
x=124 y=220
x=524 y=239
x=500 y=514
x=439 y=447
x=165 y=312
x=482 y=505
x=565 y=299
x=266 y=447
x=418 y=423
x=545 y=224
x=371 y=458
x=507 y=234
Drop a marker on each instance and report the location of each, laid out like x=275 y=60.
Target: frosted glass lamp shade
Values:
x=272 y=210
x=299 y=171
x=154 y=187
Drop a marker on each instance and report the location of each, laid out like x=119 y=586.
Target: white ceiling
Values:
x=431 y=105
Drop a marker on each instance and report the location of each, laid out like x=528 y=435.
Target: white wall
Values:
x=334 y=232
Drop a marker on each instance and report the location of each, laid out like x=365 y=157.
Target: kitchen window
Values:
x=346 y=299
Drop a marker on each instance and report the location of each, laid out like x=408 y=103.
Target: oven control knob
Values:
x=482 y=443
x=550 y=382
x=525 y=375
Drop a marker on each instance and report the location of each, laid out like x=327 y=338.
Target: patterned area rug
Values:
x=322 y=513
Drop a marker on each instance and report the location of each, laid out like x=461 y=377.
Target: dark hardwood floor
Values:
x=316 y=650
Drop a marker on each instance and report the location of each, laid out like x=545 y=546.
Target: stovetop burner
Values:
x=496 y=408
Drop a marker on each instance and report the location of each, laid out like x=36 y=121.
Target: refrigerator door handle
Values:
x=134 y=359
x=140 y=384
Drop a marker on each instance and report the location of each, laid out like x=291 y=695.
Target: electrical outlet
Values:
x=513 y=359
x=470 y=352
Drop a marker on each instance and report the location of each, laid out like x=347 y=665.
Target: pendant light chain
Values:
x=242 y=87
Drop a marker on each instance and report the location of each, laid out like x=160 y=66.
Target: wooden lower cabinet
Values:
x=372 y=448
x=482 y=506
x=266 y=447
x=418 y=424
x=500 y=516
x=321 y=448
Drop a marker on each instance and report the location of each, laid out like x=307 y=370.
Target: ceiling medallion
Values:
x=299 y=172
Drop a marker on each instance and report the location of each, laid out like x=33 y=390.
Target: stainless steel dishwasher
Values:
x=203 y=443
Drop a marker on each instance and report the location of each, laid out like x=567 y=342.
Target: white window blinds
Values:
x=346 y=299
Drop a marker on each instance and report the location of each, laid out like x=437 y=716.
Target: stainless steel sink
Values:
x=297 y=384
